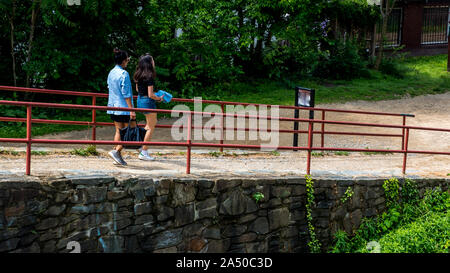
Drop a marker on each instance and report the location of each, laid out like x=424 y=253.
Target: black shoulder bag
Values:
x=132 y=134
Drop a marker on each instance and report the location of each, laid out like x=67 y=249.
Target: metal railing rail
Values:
x=189 y=144
x=222 y=104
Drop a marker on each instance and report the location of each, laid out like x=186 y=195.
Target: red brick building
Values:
x=420 y=25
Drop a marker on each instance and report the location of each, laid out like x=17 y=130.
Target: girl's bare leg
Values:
x=151 y=120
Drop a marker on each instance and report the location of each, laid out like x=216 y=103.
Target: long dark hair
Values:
x=120 y=56
x=145 y=69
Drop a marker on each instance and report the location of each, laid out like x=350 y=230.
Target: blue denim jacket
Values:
x=119 y=86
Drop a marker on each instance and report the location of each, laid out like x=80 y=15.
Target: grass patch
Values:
x=90 y=150
x=375 y=153
x=317 y=154
x=424 y=75
x=215 y=153
x=39 y=153
x=344 y=153
x=9 y=152
x=275 y=153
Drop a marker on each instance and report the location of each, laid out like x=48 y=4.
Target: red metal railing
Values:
x=189 y=144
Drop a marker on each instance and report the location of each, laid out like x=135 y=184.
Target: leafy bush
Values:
x=342 y=61
x=429 y=234
x=410 y=224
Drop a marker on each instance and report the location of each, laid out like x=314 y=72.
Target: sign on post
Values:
x=304 y=97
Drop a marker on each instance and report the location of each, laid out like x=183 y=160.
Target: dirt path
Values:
x=429 y=111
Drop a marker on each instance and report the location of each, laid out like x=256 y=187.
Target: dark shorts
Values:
x=146 y=103
x=120 y=118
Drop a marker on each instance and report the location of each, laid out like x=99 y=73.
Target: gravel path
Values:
x=430 y=111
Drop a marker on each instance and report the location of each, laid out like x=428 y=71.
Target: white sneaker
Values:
x=146 y=157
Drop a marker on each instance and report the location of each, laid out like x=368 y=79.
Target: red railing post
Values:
x=188 y=160
x=323 y=130
x=94 y=115
x=403 y=132
x=28 y=160
x=221 y=128
x=405 y=148
x=308 y=160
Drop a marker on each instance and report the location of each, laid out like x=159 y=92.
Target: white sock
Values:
x=144 y=152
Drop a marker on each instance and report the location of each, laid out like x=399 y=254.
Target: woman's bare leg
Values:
x=151 y=120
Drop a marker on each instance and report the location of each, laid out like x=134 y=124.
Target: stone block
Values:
x=233 y=230
x=196 y=244
x=131 y=230
x=205 y=184
x=94 y=194
x=143 y=208
x=280 y=191
x=247 y=218
x=55 y=210
x=91 y=180
x=116 y=194
x=278 y=218
x=47 y=224
x=165 y=213
x=206 y=209
x=182 y=194
x=224 y=184
x=218 y=246
x=164 y=239
x=259 y=226
x=184 y=215
x=211 y=233
x=235 y=204
x=244 y=238
x=144 y=220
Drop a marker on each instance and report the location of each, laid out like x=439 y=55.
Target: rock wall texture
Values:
x=147 y=214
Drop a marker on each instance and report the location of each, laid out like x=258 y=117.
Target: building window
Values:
x=394 y=29
x=434 y=27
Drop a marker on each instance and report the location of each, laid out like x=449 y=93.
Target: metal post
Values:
x=308 y=161
x=28 y=160
x=188 y=164
x=323 y=130
x=221 y=127
x=403 y=132
x=405 y=150
x=94 y=118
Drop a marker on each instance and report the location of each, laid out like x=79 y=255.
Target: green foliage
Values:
x=314 y=244
x=275 y=153
x=342 y=61
x=258 y=196
x=90 y=150
x=215 y=153
x=347 y=195
x=410 y=224
x=391 y=190
x=344 y=153
x=429 y=234
x=9 y=152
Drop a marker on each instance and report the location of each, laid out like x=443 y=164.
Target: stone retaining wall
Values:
x=145 y=214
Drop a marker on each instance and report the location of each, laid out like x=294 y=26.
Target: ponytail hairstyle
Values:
x=120 y=56
x=145 y=69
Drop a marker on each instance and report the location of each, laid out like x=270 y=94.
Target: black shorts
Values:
x=120 y=118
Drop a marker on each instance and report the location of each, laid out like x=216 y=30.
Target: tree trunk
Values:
x=386 y=7
x=381 y=48
x=11 y=22
x=374 y=41
x=34 y=13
